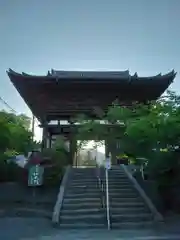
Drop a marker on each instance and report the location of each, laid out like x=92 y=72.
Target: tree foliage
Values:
x=142 y=129
x=15 y=134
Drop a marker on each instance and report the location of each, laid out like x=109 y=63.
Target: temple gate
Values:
x=62 y=95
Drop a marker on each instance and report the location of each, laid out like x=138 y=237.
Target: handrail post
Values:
x=103 y=189
x=100 y=183
x=107 y=200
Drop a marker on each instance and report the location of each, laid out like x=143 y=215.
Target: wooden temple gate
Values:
x=62 y=95
x=68 y=132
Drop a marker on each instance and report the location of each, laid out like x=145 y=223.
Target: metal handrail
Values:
x=101 y=184
x=104 y=188
x=107 y=200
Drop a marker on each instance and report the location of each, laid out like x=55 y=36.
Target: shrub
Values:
x=58 y=161
x=9 y=171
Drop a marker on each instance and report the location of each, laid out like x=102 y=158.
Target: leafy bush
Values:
x=9 y=171
x=59 y=160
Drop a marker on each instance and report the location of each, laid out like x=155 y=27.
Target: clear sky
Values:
x=37 y=35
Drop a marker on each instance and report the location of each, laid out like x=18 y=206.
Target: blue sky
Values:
x=139 y=35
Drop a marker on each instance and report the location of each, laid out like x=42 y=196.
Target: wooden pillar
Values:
x=45 y=135
x=50 y=140
x=44 y=138
x=107 y=148
x=72 y=148
x=113 y=153
x=72 y=143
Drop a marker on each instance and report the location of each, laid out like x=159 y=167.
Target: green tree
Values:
x=24 y=121
x=150 y=131
x=140 y=128
x=4 y=136
x=14 y=133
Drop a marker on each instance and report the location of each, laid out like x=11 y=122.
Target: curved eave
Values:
x=171 y=75
x=12 y=74
x=28 y=86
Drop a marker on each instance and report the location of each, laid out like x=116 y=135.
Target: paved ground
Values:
x=40 y=229
x=16 y=192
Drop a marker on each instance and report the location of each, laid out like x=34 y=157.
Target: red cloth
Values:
x=35 y=159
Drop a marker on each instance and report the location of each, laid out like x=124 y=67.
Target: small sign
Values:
x=35 y=176
x=108 y=163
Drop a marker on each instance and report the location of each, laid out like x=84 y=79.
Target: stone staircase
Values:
x=82 y=204
x=127 y=208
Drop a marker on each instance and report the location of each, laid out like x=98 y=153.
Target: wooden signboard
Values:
x=35 y=176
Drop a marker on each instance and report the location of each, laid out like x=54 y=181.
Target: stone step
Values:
x=116 y=172
x=119 y=181
x=82 y=226
x=75 y=170
x=125 y=210
x=83 y=185
x=79 y=195
x=80 y=200
x=82 y=205
x=124 y=187
x=83 y=190
x=85 y=178
x=125 y=199
x=132 y=225
x=69 y=194
x=116 y=169
x=90 y=186
x=78 y=191
x=117 y=175
x=122 y=190
x=123 y=194
x=88 y=218
x=82 y=211
x=84 y=174
x=127 y=204
x=121 y=186
x=129 y=217
x=84 y=181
